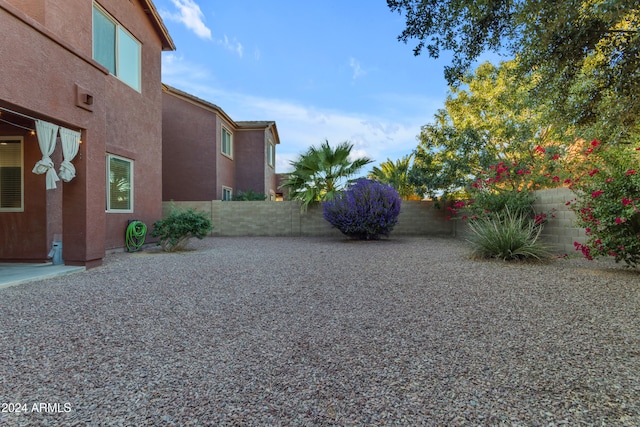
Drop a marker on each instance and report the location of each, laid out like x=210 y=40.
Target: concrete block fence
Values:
x=560 y=231
x=417 y=218
x=286 y=219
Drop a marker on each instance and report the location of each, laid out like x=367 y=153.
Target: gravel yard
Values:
x=322 y=331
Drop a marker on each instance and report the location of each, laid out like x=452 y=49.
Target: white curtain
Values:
x=70 y=144
x=47 y=134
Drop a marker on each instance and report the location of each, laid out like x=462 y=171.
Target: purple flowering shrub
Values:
x=366 y=210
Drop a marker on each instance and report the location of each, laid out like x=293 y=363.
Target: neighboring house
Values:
x=208 y=156
x=88 y=71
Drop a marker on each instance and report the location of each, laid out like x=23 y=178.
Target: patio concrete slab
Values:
x=12 y=274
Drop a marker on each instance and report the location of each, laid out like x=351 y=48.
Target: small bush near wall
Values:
x=508 y=237
x=179 y=227
x=366 y=211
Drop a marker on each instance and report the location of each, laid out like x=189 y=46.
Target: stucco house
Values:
x=80 y=125
x=206 y=155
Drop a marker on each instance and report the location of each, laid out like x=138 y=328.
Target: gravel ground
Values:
x=321 y=331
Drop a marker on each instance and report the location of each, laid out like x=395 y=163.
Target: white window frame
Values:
x=131 y=184
x=271 y=154
x=222 y=133
x=225 y=191
x=21 y=139
x=119 y=29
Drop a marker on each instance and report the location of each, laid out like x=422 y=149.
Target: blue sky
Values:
x=329 y=69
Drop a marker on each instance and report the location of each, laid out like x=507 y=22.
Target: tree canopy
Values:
x=585 y=53
x=491 y=117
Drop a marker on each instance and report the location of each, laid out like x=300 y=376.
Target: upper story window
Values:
x=120 y=184
x=115 y=48
x=227 y=143
x=11 y=174
x=227 y=194
x=271 y=154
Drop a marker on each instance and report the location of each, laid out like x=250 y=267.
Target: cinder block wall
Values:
x=423 y=218
x=560 y=230
x=417 y=218
x=287 y=219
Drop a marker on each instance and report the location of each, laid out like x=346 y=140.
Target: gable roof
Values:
x=149 y=8
x=261 y=124
x=240 y=125
x=196 y=101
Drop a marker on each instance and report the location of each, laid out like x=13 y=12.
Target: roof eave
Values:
x=150 y=9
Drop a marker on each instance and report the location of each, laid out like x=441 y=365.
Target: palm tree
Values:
x=396 y=175
x=321 y=173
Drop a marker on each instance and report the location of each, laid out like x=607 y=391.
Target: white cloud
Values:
x=191 y=16
x=232 y=45
x=357 y=69
x=176 y=68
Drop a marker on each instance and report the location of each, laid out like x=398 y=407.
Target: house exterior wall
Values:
x=33 y=223
x=251 y=161
x=192 y=135
x=270 y=178
x=44 y=62
x=46 y=89
x=188 y=151
x=134 y=119
x=225 y=166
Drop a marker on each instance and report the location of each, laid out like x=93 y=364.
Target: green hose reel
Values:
x=135 y=234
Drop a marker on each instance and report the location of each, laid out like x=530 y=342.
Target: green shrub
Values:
x=507 y=237
x=179 y=227
x=249 y=196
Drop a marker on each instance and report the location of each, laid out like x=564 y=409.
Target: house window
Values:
x=11 y=174
x=120 y=181
x=227 y=194
x=115 y=48
x=271 y=155
x=227 y=143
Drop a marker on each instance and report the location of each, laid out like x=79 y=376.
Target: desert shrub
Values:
x=248 y=196
x=366 y=210
x=179 y=227
x=507 y=236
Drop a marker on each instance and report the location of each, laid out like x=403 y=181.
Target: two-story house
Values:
x=80 y=125
x=208 y=156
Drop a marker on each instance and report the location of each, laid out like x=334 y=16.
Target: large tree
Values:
x=586 y=53
x=322 y=172
x=491 y=117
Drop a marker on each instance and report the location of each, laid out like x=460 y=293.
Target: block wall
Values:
x=287 y=219
x=417 y=218
x=560 y=230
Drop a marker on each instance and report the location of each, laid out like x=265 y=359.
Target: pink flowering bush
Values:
x=501 y=217
x=608 y=202
x=510 y=186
